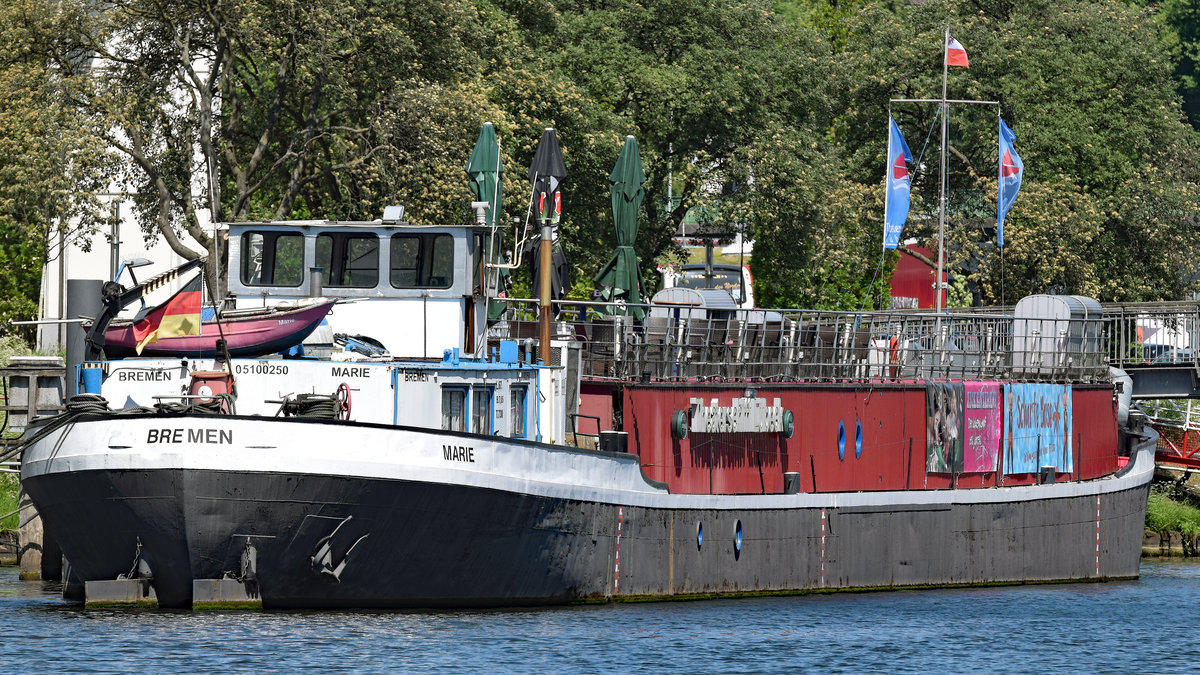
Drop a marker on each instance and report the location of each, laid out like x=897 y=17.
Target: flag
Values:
x=179 y=315
x=1012 y=169
x=955 y=54
x=895 y=200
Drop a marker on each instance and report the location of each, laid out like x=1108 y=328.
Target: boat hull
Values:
x=423 y=531
x=245 y=336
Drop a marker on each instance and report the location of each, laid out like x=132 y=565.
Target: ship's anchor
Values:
x=248 y=576
x=140 y=568
x=322 y=557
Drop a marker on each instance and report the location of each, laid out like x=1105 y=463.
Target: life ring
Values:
x=679 y=425
x=343 y=401
x=894 y=357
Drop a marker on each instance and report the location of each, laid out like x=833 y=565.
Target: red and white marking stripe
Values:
x=822 y=547
x=617 y=555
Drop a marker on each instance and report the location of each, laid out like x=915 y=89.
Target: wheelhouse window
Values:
x=272 y=259
x=348 y=260
x=481 y=411
x=454 y=404
x=516 y=397
x=422 y=261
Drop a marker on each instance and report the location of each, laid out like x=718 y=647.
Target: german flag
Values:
x=179 y=315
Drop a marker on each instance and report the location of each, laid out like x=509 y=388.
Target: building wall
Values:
x=101 y=261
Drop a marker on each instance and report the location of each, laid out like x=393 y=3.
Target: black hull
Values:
x=423 y=544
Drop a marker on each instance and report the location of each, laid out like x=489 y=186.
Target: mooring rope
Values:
x=319 y=406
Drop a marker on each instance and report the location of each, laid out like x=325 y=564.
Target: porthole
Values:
x=699 y=535
x=737 y=540
x=841 y=440
x=858 y=439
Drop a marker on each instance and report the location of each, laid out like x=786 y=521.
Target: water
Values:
x=1138 y=625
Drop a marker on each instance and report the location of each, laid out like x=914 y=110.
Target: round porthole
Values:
x=789 y=424
x=737 y=539
x=699 y=535
x=858 y=439
x=841 y=440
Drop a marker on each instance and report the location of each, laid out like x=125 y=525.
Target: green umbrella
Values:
x=483 y=171
x=621 y=278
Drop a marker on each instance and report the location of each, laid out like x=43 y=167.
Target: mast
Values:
x=944 y=111
x=941 y=259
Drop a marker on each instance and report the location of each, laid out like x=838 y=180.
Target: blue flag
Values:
x=895 y=200
x=1011 y=171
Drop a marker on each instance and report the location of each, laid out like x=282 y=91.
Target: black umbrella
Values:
x=547 y=173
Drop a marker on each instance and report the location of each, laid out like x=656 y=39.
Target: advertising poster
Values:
x=944 y=427
x=1037 y=427
x=982 y=415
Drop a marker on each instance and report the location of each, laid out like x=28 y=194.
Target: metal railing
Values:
x=1152 y=334
x=685 y=342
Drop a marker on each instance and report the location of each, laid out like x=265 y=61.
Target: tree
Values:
x=1106 y=150
x=251 y=109
x=51 y=169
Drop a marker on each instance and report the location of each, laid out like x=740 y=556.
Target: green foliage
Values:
x=1180 y=20
x=51 y=167
x=1108 y=203
x=770 y=114
x=1165 y=515
x=9 y=496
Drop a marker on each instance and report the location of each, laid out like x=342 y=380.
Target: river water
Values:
x=1141 y=625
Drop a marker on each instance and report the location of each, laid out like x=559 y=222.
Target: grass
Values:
x=1164 y=515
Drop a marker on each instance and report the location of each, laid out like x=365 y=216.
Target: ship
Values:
x=505 y=452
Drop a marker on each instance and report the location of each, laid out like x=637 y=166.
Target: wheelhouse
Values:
x=429 y=277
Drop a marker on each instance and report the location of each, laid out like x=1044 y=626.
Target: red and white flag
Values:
x=955 y=54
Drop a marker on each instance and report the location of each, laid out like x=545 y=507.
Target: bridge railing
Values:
x=1152 y=334
x=673 y=342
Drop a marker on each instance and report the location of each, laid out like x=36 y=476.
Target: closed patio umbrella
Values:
x=484 y=171
x=621 y=278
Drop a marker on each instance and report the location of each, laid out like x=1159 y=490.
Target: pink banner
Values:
x=982 y=416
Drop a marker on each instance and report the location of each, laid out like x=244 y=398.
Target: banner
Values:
x=899 y=183
x=944 y=427
x=982 y=415
x=1037 y=427
x=1012 y=169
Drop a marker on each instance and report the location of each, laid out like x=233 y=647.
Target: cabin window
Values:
x=272 y=259
x=348 y=260
x=481 y=410
x=422 y=261
x=517 y=411
x=454 y=404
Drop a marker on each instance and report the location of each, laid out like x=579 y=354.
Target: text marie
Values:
x=458 y=453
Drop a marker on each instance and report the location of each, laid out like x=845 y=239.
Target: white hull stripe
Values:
x=379 y=452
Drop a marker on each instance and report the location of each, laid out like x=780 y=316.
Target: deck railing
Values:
x=682 y=342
